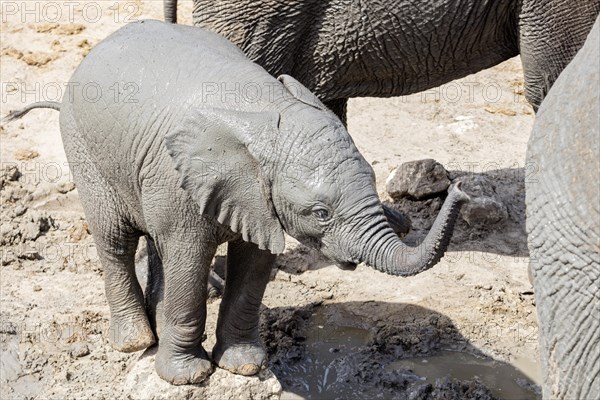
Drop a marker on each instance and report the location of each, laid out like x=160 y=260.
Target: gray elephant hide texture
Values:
x=563 y=222
x=343 y=49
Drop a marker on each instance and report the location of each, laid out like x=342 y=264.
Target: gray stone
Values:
x=29 y=254
x=10 y=173
x=30 y=231
x=65 y=187
x=142 y=382
x=417 y=180
x=79 y=349
x=20 y=210
x=8 y=258
x=6 y=229
x=10 y=363
x=37 y=225
x=486 y=207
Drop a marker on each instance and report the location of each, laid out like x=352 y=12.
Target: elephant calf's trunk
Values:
x=396 y=258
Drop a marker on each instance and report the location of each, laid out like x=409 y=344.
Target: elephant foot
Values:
x=182 y=368
x=241 y=359
x=129 y=334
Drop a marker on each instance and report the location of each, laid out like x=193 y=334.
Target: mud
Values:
x=326 y=352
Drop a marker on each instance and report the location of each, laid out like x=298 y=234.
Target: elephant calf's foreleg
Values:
x=181 y=359
x=238 y=347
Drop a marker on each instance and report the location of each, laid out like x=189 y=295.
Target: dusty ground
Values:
x=478 y=299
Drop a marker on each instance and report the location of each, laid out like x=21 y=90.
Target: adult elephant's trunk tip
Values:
x=399 y=259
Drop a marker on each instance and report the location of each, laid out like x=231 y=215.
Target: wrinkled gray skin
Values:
x=341 y=49
x=563 y=222
x=189 y=168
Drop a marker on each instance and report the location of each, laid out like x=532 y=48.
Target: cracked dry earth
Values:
x=463 y=329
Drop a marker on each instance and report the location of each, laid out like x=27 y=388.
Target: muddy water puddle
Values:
x=503 y=380
x=338 y=363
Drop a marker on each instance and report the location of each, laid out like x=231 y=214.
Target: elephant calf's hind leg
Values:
x=129 y=327
x=116 y=243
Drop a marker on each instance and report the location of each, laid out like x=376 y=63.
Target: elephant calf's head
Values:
x=296 y=169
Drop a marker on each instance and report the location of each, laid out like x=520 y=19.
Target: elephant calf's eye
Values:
x=322 y=214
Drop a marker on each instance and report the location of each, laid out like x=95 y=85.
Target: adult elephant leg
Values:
x=186 y=257
x=339 y=108
x=551 y=32
x=238 y=348
x=565 y=265
x=170 y=10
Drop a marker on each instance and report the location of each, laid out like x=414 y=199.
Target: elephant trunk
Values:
x=387 y=253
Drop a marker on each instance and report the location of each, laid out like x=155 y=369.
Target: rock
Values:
x=26 y=154
x=79 y=349
x=35 y=227
x=56 y=46
x=30 y=231
x=10 y=173
x=8 y=258
x=79 y=231
x=66 y=187
x=484 y=211
x=10 y=362
x=37 y=59
x=12 y=52
x=500 y=110
x=6 y=229
x=86 y=46
x=70 y=29
x=485 y=208
x=45 y=223
x=30 y=254
x=45 y=27
x=20 y=210
x=8 y=234
x=142 y=382
x=417 y=180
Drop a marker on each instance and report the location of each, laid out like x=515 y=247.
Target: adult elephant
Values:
x=563 y=222
x=351 y=48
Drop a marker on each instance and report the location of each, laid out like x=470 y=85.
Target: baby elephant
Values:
x=172 y=133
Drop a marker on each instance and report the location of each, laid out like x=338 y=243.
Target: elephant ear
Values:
x=211 y=151
x=300 y=92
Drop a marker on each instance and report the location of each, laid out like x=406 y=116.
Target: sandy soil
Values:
x=54 y=315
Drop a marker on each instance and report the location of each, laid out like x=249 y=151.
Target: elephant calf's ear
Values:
x=300 y=92
x=211 y=151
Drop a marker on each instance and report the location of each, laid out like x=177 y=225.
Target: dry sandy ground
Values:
x=53 y=311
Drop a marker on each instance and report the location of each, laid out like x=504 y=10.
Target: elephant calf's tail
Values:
x=14 y=115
